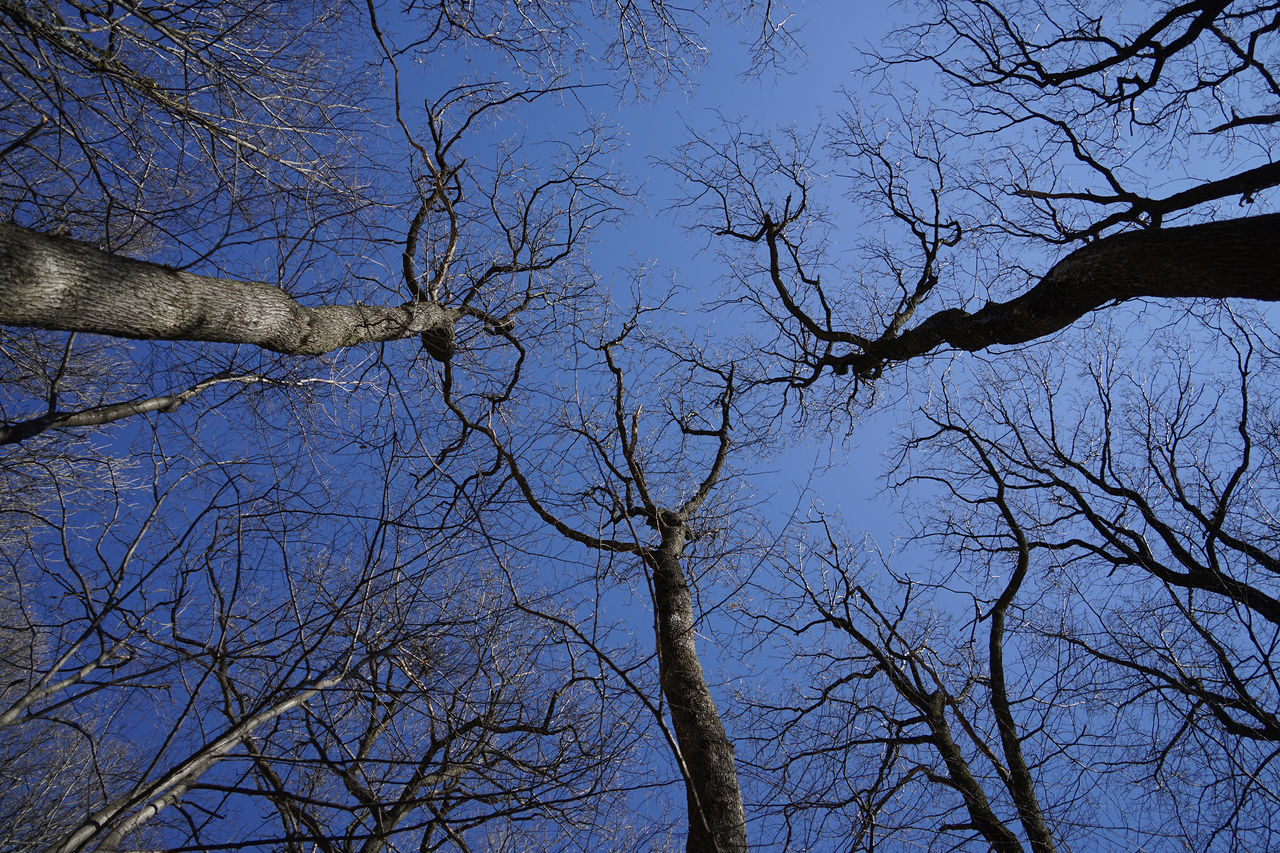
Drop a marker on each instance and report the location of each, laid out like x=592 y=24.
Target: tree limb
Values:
x=19 y=431
x=1236 y=258
x=57 y=283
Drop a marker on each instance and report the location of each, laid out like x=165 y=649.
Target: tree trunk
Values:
x=983 y=818
x=61 y=284
x=1237 y=258
x=123 y=816
x=717 y=821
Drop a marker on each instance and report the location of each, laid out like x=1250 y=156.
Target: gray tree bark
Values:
x=717 y=821
x=13 y=433
x=61 y=284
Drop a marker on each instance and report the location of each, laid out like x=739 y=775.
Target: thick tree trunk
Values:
x=1237 y=258
x=717 y=821
x=56 y=283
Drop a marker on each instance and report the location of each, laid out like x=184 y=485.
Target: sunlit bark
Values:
x=62 y=284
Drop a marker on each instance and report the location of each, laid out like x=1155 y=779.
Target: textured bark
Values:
x=56 y=283
x=1237 y=258
x=717 y=821
x=981 y=815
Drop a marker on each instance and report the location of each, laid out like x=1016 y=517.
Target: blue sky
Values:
x=336 y=453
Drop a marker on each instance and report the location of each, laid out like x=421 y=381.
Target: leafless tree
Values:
x=146 y=145
x=321 y=576
x=1100 y=614
x=621 y=479
x=264 y=126
x=1031 y=191
x=1158 y=476
x=916 y=730
x=229 y=666
x=462 y=726
x=313 y=669
x=1078 y=653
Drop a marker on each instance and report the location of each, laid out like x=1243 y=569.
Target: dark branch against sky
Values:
x=541 y=426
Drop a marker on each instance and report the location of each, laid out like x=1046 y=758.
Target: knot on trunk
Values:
x=440 y=342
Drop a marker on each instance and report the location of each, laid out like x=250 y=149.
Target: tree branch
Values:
x=1236 y=258
x=111 y=412
x=57 y=283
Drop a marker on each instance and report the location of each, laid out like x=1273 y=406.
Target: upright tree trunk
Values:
x=717 y=821
x=56 y=283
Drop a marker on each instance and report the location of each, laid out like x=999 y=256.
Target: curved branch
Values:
x=1236 y=258
x=111 y=412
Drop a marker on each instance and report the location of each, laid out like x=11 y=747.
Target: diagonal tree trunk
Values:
x=1236 y=258
x=106 y=828
x=57 y=283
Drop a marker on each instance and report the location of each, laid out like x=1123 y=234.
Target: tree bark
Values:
x=124 y=815
x=1236 y=258
x=1020 y=782
x=717 y=820
x=56 y=283
x=983 y=818
x=19 y=431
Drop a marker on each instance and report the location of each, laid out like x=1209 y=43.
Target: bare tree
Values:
x=1028 y=196
x=273 y=609
x=147 y=144
x=262 y=122
x=464 y=725
x=1157 y=475
x=229 y=666
x=1077 y=653
x=919 y=729
x=1096 y=614
x=321 y=578
x=633 y=498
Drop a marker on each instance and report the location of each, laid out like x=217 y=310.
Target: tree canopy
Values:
x=357 y=492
